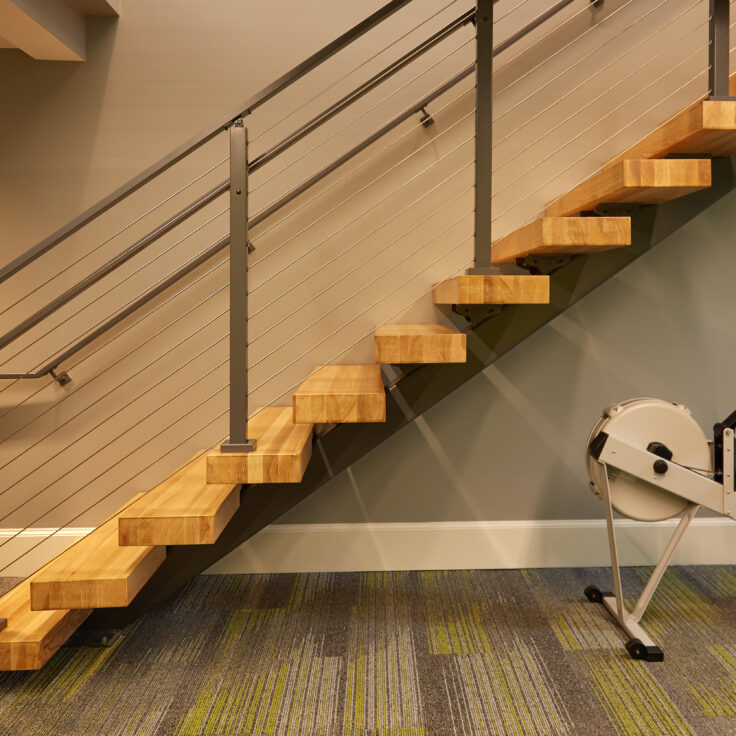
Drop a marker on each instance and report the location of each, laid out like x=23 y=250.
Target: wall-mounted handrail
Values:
x=260 y=216
x=202 y=137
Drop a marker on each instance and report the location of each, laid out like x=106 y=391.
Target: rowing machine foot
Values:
x=594 y=595
x=639 y=650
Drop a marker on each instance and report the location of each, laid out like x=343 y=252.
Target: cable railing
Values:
x=51 y=366
x=283 y=211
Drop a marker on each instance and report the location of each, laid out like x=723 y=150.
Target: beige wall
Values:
x=567 y=98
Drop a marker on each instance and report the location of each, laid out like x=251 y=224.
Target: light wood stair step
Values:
x=552 y=235
x=708 y=127
x=644 y=181
x=183 y=509
x=341 y=394
x=96 y=572
x=282 y=451
x=419 y=344
x=31 y=638
x=493 y=289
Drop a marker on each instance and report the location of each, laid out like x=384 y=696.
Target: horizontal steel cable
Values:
x=498 y=19
x=560 y=50
x=362 y=115
x=352 y=172
x=120 y=283
x=355 y=194
x=358 y=217
x=96 y=452
x=112 y=237
x=107 y=495
x=592 y=125
x=375 y=254
x=584 y=58
x=366 y=334
x=127 y=304
x=414 y=252
x=613 y=135
x=355 y=293
x=352 y=71
x=115 y=337
x=598 y=71
x=117 y=388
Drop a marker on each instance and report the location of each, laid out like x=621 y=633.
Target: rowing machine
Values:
x=649 y=460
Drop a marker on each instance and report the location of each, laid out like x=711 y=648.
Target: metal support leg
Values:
x=483 y=136
x=639 y=645
x=238 y=440
x=718 y=50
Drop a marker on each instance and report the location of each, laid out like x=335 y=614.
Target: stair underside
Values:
x=708 y=127
x=183 y=509
x=644 y=181
x=419 y=344
x=554 y=235
x=341 y=394
x=493 y=289
x=96 y=572
x=283 y=450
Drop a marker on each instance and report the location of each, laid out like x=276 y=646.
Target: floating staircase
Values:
x=193 y=507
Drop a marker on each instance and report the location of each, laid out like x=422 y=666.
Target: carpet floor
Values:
x=397 y=654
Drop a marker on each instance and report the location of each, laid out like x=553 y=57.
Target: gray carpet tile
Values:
x=513 y=652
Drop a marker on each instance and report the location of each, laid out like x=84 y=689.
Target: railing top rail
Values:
x=202 y=137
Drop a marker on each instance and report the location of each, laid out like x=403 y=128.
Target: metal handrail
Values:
x=50 y=367
x=203 y=137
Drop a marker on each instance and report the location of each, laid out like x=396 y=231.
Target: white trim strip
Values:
x=428 y=546
x=473 y=545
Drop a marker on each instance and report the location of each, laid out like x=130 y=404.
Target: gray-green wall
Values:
x=509 y=444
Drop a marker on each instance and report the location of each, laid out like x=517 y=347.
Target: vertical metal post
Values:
x=483 y=135
x=718 y=49
x=238 y=440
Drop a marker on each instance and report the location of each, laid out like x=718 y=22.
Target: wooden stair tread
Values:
x=424 y=343
x=341 y=394
x=31 y=638
x=183 y=509
x=551 y=235
x=708 y=127
x=493 y=289
x=283 y=450
x=644 y=181
x=96 y=572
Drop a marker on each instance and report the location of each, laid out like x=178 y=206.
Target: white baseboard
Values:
x=473 y=545
x=426 y=546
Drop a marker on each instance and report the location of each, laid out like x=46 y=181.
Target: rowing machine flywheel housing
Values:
x=643 y=422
